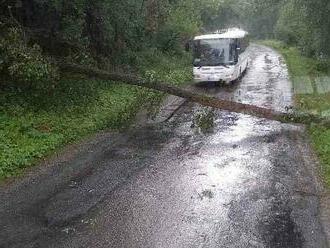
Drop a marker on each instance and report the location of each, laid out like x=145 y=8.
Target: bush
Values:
x=25 y=64
x=168 y=40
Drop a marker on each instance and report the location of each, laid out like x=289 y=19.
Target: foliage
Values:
x=23 y=63
x=302 y=23
x=181 y=22
x=108 y=28
x=321 y=140
x=33 y=125
x=204 y=120
x=290 y=27
x=299 y=24
x=224 y=15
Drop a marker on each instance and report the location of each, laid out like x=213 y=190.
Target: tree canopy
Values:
x=96 y=32
x=301 y=23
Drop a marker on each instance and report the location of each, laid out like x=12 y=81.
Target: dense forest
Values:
x=111 y=32
x=91 y=32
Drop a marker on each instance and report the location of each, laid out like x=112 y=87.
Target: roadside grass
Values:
x=34 y=124
x=310 y=95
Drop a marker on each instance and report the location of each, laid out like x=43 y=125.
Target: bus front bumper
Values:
x=212 y=78
x=214 y=74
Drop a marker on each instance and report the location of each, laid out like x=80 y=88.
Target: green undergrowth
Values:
x=304 y=70
x=35 y=123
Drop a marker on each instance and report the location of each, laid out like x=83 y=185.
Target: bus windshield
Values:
x=214 y=52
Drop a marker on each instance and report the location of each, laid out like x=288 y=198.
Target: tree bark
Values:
x=95 y=28
x=295 y=117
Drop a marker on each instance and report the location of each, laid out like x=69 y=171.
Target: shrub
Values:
x=25 y=64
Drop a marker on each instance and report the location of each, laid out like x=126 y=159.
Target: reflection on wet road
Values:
x=248 y=183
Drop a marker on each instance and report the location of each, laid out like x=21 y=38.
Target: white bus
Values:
x=221 y=57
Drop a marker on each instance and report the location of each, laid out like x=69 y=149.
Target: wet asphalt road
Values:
x=248 y=183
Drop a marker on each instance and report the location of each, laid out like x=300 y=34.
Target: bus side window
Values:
x=243 y=46
x=237 y=50
x=239 y=46
x=232 y=51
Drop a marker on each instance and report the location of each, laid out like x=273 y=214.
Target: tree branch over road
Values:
x=231 y=106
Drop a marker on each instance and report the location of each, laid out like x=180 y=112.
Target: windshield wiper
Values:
x=222 y=64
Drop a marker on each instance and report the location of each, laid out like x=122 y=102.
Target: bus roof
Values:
x=229 y=34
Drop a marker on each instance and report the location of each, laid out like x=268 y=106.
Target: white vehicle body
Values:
x=221 y=57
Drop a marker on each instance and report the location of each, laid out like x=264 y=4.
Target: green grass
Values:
x=301 y=67
x=34 y=124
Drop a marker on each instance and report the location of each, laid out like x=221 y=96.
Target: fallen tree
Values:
x=285 y=117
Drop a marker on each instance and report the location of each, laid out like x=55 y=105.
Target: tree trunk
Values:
x=152 y=16
x=227 y=105
x=94 y=28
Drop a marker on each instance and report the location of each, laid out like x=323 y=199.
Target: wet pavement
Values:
x=248 y=182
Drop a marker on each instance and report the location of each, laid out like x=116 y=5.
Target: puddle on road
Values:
x=242 y=129
x=227 y=175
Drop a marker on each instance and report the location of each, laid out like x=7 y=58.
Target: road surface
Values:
x=249 y=182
